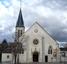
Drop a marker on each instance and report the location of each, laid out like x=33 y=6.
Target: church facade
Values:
x=40 y=46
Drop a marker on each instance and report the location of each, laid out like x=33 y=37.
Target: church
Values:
x=40 y=46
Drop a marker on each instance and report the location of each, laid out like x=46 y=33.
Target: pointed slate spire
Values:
x=20 y=22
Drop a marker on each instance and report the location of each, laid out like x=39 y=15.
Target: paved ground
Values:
x=36 y=63
x=6 y=63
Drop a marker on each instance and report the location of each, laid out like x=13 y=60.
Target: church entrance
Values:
x=35 y=57
x=46 y=58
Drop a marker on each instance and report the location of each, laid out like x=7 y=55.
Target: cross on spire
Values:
x=20 y=22
x=20 y=3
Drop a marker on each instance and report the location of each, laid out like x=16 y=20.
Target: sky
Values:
x=50 y=14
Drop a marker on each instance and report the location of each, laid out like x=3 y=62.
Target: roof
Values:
x=63 y=49
x=20 y=22
x=41 y=27
x=8 y=50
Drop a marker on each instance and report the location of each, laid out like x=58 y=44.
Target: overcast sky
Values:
x=50 y=14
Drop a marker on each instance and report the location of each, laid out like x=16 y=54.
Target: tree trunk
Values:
x=15 y=58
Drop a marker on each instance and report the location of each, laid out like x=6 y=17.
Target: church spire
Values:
x=20 y=22
x=20 y=29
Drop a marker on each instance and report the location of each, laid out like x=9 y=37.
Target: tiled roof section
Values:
x=20 y=22
x=63 y=49
x=8 y=50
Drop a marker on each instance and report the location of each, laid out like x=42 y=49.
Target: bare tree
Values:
x=17 y=46
x=23 y=40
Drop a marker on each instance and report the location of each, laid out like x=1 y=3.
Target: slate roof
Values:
x=20 y=22
x=8 y=50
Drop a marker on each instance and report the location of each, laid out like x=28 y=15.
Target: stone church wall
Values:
x=22 y=57
x=45 y=40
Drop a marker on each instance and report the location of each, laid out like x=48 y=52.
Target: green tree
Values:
x=4 y=45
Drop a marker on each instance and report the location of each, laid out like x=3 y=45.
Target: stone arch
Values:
x=35 y=56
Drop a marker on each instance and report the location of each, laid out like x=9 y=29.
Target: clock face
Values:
x=35 y=30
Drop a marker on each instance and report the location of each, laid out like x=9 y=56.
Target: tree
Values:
x=17 y=46
x=4 y=45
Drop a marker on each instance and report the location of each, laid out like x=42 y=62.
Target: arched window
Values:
x=50 y=50
x=22 y=51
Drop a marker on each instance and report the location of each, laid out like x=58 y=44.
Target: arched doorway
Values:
x=46 y=58
x=35 y=57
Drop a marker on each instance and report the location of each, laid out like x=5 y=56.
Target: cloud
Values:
x=50 y=14
x=6 y=3
x=55 y=4
x=53 y=21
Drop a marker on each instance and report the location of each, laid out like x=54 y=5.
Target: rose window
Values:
x=35 y=42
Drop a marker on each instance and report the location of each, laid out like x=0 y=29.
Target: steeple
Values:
x=20 y=29
x=20 y=22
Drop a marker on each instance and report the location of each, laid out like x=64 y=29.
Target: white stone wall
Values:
x=4 y=57
x=39 y=48
x=22 y=57
x=19 y=28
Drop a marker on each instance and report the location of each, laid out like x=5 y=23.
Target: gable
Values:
x=40 y=31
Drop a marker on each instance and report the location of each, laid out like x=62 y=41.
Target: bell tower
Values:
x=19 y=29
